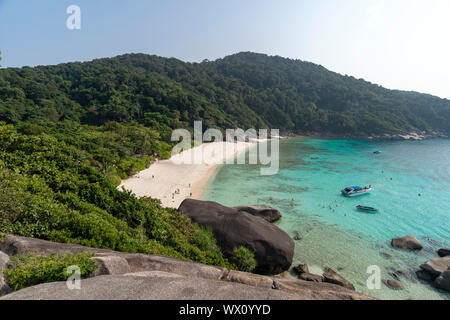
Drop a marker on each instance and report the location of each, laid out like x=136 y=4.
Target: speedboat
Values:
x=355 y=191
x=377 y=152
x=363 y=208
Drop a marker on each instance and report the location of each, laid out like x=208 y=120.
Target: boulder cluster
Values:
x=436 y=270
x=329 y=276
x=247 y=226
x=129 y=276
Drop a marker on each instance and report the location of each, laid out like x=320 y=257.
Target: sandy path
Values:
x=184 y=175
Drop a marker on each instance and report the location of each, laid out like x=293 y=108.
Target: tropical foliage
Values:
x=32 y=270
x=244 y=259
x=51 y=189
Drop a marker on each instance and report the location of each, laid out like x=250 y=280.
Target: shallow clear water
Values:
x=334 y=234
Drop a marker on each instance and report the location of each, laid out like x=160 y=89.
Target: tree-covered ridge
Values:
x=243 y=90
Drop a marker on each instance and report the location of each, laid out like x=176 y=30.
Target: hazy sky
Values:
x=400 y=44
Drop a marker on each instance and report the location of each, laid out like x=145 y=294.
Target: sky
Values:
x=399 y=44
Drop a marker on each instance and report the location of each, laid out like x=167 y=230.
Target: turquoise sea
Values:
x=411 y=181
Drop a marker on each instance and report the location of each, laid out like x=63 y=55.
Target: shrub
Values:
x=243 y=259
x=32 y=270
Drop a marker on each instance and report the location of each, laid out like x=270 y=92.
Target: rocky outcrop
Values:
x=436 y=270
x=153 y=286
x=332 y=276
x=310 y=277
x=4 y=288
x=326 y=291
x=267 y=213
x=302 y=271
x=111 y=265
x=159 y=277
x=272 y=247
x=301 y=268
x=251 y=279
x=436 y=266
x=443 y=281
x=407 y=243
x=166 y=286
x=444 y=252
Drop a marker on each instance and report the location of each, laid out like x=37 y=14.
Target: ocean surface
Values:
x=411 y=181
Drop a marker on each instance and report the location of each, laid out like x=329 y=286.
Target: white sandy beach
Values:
x=184 y=175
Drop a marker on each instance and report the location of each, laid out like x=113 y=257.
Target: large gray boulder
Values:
x=407 y=243
x=267 y=213
x=444 y=252
x=272 y=247
x=436 y=266
x=4 y=288
x=443 y=281
x=153 y=286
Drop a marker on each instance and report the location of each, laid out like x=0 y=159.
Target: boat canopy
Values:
x=356 y=188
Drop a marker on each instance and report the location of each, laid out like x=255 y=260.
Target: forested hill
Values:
x=243 y=90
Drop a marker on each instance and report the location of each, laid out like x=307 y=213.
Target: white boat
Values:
x=356 y=191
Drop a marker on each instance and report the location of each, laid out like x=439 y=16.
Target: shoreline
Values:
x=184 y=176
x=412 y=136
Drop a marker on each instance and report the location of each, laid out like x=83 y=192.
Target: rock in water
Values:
x=332 y=276
x=301 y=268
x=423 y=275
x=297 y=236
x=443 y=281
x=310 y=277
x=272 y=247
x=436 y=266
x=407 y=243
x=393 y=284
x=444 y=252
x=267 y=213
x=385 y=255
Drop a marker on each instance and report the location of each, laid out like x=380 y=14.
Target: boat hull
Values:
x=355 y=194
x=367 y=209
